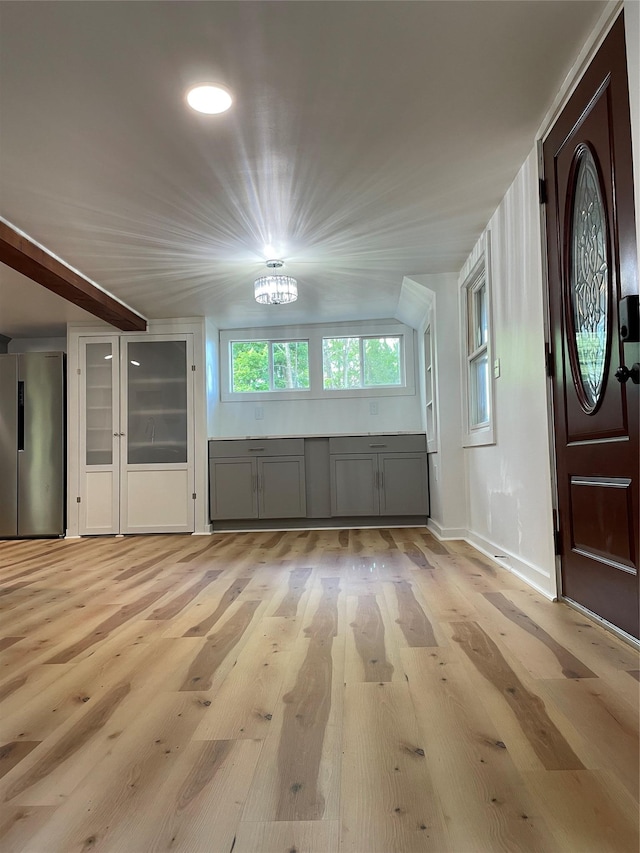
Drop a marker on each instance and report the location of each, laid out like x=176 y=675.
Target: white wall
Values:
x=509 y=483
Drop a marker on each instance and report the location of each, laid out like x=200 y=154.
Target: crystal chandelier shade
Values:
x=275 y=289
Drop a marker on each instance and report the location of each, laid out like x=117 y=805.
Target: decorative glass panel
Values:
x=156 y=402
x=589 y=278
x=99 y=404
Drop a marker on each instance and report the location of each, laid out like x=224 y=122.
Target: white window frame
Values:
x=479 y=275
x=315 y=334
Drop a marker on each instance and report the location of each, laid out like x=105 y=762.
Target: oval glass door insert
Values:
x=589 y=280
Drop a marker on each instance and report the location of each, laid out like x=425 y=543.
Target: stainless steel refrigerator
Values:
x=32 y=445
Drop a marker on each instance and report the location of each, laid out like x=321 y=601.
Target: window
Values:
x=361 y=362
x=476 y=322
x=368 y=358
x=269 y=366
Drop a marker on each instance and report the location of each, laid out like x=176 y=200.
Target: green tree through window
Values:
x=361 y=362
x=269 y=365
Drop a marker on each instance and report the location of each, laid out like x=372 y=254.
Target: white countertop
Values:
x=311 y=435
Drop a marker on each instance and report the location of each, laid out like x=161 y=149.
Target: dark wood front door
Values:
x=592 y=259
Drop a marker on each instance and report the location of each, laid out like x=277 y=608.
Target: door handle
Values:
x=623 y=374
x=20 y=416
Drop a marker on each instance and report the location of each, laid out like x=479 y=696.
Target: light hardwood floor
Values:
x=363 y=691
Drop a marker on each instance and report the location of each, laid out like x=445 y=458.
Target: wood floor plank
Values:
x=609 y=725
x=19 y=825
x=368 y=655
x=140 y=795
x=540 y=732
x=390 y=802
x=247 y=700
x=303 y=836
x=298 y=774
x=365 y=690
x=587 y=811
x=469 y=762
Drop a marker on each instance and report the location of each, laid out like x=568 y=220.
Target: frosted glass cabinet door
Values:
x=156 y=402
x=157 y=476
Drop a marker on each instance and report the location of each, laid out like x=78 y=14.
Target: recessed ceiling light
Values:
x=209 y=99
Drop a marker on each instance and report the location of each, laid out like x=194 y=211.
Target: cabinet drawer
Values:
x=378 y=443
x=257 y=447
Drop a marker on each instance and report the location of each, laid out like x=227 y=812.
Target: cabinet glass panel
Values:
x=99 y=404
x=156 y=402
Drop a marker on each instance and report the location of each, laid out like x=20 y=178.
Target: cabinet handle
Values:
x=381 y=480
x=121 y=433
x=255 y=449
x=377 y=445
x=377 y=480
x=116 y=434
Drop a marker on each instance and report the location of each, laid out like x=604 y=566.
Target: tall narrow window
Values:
x=476 y=319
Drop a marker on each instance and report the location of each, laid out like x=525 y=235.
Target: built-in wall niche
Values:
x=429 y=391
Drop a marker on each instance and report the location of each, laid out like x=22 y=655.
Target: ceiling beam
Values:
x=24 y=255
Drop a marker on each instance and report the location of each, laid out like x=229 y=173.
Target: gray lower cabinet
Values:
x=367 y=476
x=234 y=492
x=257 y=485
x=389 y=479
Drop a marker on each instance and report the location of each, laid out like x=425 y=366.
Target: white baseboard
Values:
x=531 y=574
x=446 y=532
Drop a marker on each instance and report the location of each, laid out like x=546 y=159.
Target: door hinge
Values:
x=557 y=542
x=193 y=367
x=548 y=358
x=193 y=496
x=542 y=191
x=78 y=500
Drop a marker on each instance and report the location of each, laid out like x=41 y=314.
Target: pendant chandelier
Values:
x=275 y=289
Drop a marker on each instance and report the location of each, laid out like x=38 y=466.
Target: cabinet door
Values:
x=281 y=487
x=403 y=484
x=354 y=484
x=157 y=434
x=99 y=434
x=233 y=488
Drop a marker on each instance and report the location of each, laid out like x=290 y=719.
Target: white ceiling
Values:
x=372 y=140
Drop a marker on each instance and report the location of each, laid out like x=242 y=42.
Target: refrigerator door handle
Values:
x=20 y=416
